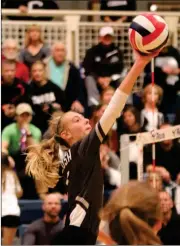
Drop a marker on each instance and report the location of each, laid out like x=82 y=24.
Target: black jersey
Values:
x=81 y=169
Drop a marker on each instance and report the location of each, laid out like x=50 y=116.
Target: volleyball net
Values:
x=142 y=139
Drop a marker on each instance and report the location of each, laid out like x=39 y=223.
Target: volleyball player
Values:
x=73 y=153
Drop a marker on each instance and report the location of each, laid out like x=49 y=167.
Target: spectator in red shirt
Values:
x=10 y=52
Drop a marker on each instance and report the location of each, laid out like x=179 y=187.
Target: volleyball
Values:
x=148 y=33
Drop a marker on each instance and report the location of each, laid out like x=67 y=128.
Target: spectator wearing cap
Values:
x=10 y=51
x=103 y=64
x=44 y=231
x=67 y=77
x=16 y=137
x=13 y=92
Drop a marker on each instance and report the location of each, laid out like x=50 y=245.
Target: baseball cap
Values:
x=23 y=108
x=106 y=30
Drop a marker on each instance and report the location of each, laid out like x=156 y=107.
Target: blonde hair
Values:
x=131 y=212
x=33 y=27
x=149 y=88
x=43 y=161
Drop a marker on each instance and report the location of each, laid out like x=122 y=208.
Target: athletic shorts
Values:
x=10 y=221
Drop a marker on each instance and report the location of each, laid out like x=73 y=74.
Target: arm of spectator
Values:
x=19 y=190
x=29 y=237
x=122 y=19
x=9 y=110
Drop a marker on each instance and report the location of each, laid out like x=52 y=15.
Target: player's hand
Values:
x=145 y=58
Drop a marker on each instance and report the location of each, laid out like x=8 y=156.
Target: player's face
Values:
x=75 y=127
x=52 y=205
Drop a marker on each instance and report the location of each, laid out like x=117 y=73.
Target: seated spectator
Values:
x=46 y=96
x=66 y=76
x=169 y=233
x=133 y=215
x=16 y=137
x=167 y=76
x=103 y=65
x=25 y=5
x=131 y=125
x=151 y=118
x=45 y=230
x=118 y=5
x=13 y=91
x=167 y=158
x=10 y=51
x=35 y=48
x=11 y=191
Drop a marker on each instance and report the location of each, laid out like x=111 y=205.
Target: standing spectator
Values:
x=167 y=157
x=66 y=76
x=45 y=230
x=35 y=48
x=16 y=137
x=117 y=5
x=25 y=5
x=13 y=91
x=151 y=118
x=46 y=96
x=103 y=65
x=10 y=51
x=11 y=191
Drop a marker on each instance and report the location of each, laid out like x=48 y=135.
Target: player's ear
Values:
x=66 y=135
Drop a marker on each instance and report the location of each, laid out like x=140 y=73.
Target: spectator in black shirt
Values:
x=45 y=230
x=25 y=5
x=167 y=156
x=13 y=92
x=73 y=154
x=46 y=96
x=117 y=5
x=103 y=65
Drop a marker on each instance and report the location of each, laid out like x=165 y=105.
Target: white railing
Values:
x=78 y=33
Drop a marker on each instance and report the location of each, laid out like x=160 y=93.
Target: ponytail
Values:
x=43 y=162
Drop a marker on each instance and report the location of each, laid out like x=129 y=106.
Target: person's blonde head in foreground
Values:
x=133 y=214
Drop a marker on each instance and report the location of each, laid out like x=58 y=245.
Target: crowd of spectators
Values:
x=39 y=83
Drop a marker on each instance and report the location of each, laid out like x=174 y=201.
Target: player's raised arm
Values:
x=119 y=99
